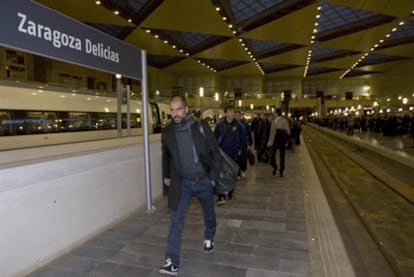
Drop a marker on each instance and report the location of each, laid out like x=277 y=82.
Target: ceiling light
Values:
x=116 y=12
x=97 y=2
x=218 y=9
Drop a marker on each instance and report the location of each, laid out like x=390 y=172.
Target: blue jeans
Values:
x=204 y=191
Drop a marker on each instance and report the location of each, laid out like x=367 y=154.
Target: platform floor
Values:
x=273 y=227
x=401 y=144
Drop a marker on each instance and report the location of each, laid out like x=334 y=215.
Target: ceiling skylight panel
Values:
x=333 y=16
x=191 y=39
x=136 y=5
x=262 y=45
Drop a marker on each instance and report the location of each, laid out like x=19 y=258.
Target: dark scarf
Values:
x=185 y=124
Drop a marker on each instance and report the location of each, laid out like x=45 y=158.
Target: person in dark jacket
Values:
x=232 y=140
x=256 y=128
x=249 y=142
x=191 y=167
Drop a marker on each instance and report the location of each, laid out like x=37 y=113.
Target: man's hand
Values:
x=167 y=181
x=213 y=183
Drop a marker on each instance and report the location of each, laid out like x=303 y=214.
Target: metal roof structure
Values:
x=326 y=39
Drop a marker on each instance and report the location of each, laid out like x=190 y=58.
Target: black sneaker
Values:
x=169 y=268
x=208 y=245
x=221 y=201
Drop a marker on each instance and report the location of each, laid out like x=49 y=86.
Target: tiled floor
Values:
x=261 y=232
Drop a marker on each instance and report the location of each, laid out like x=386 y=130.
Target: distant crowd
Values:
x=390 y=125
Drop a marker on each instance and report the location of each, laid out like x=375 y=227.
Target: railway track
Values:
x=379 y=194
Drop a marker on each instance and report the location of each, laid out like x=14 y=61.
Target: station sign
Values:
x=31 y=27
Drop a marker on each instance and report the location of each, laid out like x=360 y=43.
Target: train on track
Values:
x=31 y=117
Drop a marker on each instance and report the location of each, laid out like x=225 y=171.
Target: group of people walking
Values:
x=191 y=166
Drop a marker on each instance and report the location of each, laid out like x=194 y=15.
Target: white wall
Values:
x=65 y=194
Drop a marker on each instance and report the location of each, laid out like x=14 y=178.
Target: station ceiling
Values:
x=326 y=39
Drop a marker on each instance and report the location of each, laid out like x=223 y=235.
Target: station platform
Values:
x=402 y=144
x=398 y=148
x=274 y=226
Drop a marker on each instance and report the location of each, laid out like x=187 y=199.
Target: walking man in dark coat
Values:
x=191 y=166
